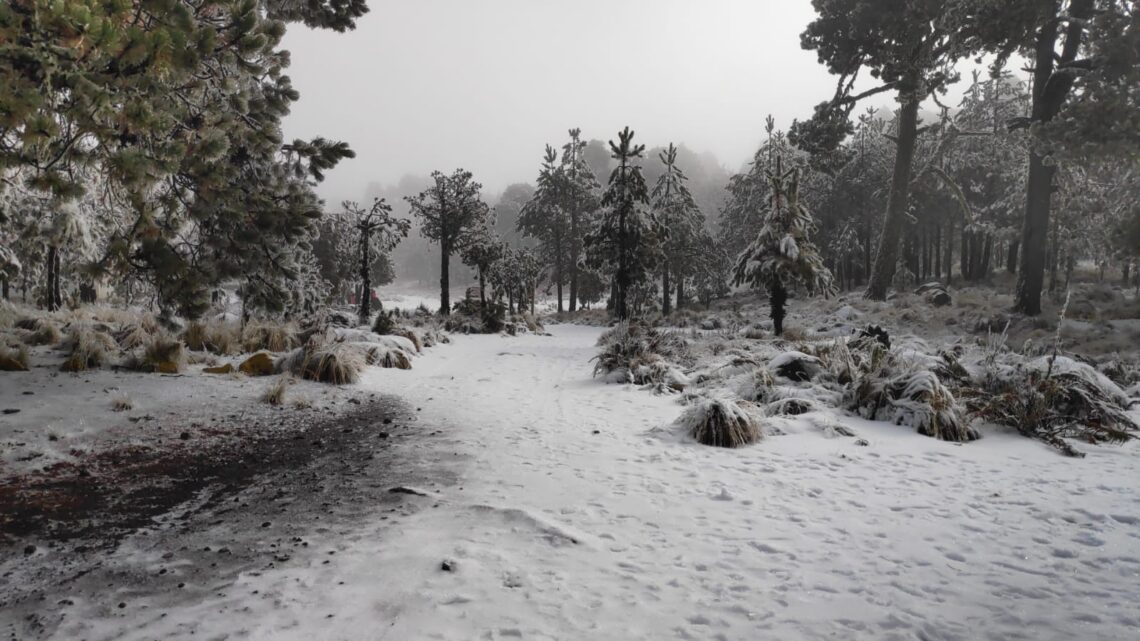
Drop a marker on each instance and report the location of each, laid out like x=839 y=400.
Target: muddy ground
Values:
x=179 y=520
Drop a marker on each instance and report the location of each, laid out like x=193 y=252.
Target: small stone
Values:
x=862 y=442
x=29 y=549
x=597 y=431
x=383 y=435
x=185 y=436
x=11 y=410
x=447 y=566
x=354 y=401
x=122 y=605
x=265 y=524
x=387 y=421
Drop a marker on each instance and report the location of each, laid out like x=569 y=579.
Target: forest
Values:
x=636 y=393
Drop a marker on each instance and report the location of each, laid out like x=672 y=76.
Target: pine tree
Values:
x=1085 y=57
x=910 y=46
x=626 y=240
x=452 y=213
x=579 y=200
x=484 y=251
x=678 y=214
x=377 y=233
x=783 y=254
x=545 y=218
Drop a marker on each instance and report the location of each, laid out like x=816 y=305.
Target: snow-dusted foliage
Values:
x=916 y=399
x=632 y=352
x=719 y=422
x=782 y=255
x=1055 y=398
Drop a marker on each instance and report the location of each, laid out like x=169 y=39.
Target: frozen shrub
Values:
x=275 y=393
x=133 y=336
x=1054 y=399
x=791 y=407
x=14 y=360
x=917 y=399
x=385 y=323
x=41 y=331
x=122 y=403
x=273 y=337
x=719 y=423
x=162 y=355
x=87 y=349
x=216 y=338
x=629 y=344
x=654 y=370
x=336 y=363
x=387 y=356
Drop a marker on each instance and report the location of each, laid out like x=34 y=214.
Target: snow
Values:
x=581 y=513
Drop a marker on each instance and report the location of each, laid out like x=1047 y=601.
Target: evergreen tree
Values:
x=453 y=214
x=1085 y=58
x=377 y=233
x=625 y=241
x=544 y=217
x=678 y=214
x=482 y=253
x=909 y=45
x=580 y=202
x=783 y=253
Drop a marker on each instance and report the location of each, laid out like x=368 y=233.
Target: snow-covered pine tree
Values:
x=452 y=213
x=580 y=201
x=783 y=254
x=544 y=217
x=678 y=214
x=485 y=250
x=626 y=240
x=377 y=233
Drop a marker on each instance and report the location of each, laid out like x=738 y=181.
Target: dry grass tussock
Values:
x=720 y=423
x=122 y=403
x=336 y=363
x=628 y=345
x=164 y=354
x=275 y=393
x=387 y=356
x=87 y=348
x=15 y=359
x=215 y=337
x=274 y=337
x=39 y=331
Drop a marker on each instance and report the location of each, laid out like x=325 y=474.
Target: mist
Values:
x=445 y=84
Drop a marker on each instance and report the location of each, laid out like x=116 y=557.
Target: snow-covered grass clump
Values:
x=719 y=422
x=636 y=353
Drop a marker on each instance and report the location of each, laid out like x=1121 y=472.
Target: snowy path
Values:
x=574 y=518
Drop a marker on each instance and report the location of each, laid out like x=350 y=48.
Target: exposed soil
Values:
x=200 y=508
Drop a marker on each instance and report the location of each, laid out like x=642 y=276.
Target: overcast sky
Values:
x=438 y=84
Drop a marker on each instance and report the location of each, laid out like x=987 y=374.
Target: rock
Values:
x=447 y=566
x=11 y=410
x=228 y=368
x=29 y=549
x=862 y=442
x=260 y=364
x=878 y=333
x=938 y=298
x=185 y=436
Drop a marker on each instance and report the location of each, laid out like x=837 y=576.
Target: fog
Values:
x=438 y=84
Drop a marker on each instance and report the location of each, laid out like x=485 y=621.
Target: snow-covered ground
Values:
x=579 y=513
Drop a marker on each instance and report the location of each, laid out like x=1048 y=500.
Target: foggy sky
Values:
x=438 y=84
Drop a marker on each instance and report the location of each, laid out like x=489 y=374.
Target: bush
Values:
x=389 y=357
x=275 y=393
x=216 y=338
x=87 y=349
x=14 y=360
x=917 y=399
x=384 y=324
x=273 y=337
x=719 y=423
x=134 y=336
x=41 y=331
x=1056 y=400
x=162 y=355
x=336 y=363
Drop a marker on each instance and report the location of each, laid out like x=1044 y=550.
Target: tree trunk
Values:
x=444 y=282
x=938 y=252
x=482 y=290
x=5 y=293
x=680 y=292
x=665 y=291
x=49 y=289
x=887 y=256
x=1011 y=257
x=1049 y=94
x=1127 y=267
x=365 y=279
x=948 y=257
x=777 y=298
